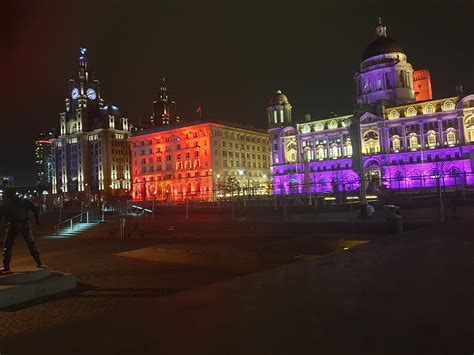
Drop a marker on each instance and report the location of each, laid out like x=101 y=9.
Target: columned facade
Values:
x=406 y=143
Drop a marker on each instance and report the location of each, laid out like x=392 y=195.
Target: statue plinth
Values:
x=30 y=284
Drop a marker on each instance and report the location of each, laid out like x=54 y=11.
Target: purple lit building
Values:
x=405 y=143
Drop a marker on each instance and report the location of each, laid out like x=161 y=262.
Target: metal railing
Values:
x=141 y=210
x=79 y=218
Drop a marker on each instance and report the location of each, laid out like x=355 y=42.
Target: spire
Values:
x=380 y=30
x=83 y=71
x=163 y=90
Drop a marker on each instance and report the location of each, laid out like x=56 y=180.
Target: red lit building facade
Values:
x=198 y=161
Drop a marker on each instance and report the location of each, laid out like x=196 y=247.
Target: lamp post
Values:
x=353 y=124
x=153 y=206
x=216 y=189
x=45 y=193
x=241 y=174
x=187 y=206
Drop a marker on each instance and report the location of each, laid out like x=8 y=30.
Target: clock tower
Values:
x=91 y=155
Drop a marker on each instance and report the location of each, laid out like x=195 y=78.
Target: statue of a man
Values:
x=15 y=211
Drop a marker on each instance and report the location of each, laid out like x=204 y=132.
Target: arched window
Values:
x=393 y=114
x=332 y=124
x=451 y=137
x=469 y=123
x=306 y=128
x=413 y=141
x=396 y=144
x=371 y=142
x=73 y=127
x=431 y=135
x=429 y=109
x=448 y=105
x=291 y=152
x=411 y=111
x=319 y=126
x=308 y=154
x=348 y=149
x=276 y=160
x=320 y=154
x=334 y=151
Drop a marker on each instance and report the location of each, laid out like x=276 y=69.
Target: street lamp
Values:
x=45 y=193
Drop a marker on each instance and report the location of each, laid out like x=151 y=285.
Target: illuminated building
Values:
x=43 y=160
x=164 y=109
x=199 y=161
x=92 y=153
x=408 y=139
x=422 y=83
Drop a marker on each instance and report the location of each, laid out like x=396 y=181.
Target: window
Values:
x=332 y=124
x=413 y=141
x=469 y=122
x=291 y=152
x=393 y=114
x=411 y=111
x=334 y=151
x=306 y=129
x=448 y=105
x=378 y=83
x=451 y=137
x=431 y=135
x=319 y=126
x=320 y=153
x=396 y=144
x=429 y=109
x=348 y=149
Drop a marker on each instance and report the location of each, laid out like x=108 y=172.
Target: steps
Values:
x=67 y=232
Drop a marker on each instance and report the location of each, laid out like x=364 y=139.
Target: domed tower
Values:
x=385 y=74
x=279 y=110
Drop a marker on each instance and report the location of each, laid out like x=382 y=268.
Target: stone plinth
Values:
x=30 y=284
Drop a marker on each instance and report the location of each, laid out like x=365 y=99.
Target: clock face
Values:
x=75 y=93
x=91 y=94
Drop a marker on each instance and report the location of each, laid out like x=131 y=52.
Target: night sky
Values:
x=228 y=56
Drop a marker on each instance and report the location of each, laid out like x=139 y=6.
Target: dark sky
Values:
x=228 y=56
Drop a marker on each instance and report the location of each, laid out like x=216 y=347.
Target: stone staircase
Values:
x=76 y=230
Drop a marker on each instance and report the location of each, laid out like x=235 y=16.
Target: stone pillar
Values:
x=422 y=137
x=404 y=138
x=440 y=133
x=461 y=132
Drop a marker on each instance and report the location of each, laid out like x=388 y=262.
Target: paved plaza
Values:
x=410 y=294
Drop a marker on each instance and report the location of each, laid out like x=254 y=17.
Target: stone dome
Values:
x=278 y=99
x=382 y=45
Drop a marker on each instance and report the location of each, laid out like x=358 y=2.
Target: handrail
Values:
x=70 y=220
x=142 y=209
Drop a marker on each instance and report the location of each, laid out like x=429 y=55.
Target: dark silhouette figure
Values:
x=15 y=211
